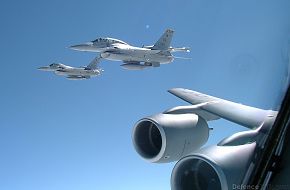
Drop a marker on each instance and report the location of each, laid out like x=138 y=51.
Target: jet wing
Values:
x=247 y=116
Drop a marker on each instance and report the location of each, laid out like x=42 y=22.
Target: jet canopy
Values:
x=109 y=40
x=57 y=66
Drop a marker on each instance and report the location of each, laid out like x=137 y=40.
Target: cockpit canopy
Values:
x=57 y=65
x=109 y=40
x=53 y=65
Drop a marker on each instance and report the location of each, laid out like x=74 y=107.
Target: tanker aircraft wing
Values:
x=246 y=116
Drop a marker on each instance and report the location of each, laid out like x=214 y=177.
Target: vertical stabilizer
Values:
x=94 y=63
x=164 y=41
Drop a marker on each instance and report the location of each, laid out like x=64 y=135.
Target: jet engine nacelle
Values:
x=215 y=167
x=169 y=137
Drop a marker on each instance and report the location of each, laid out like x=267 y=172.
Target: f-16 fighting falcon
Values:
x=75 y=73
x=134 y=58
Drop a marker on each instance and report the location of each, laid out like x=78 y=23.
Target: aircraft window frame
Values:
x=265 y=166
x=109 y=40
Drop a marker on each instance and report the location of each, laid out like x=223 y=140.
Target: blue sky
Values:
x=59 y=134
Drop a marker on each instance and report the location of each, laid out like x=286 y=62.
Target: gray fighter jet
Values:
x=134 y=58
x=75 y=73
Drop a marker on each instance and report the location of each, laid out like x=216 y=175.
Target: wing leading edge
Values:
x=246 y=116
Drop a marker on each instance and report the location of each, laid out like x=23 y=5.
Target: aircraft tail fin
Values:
x=94 y=63
x=164 y=41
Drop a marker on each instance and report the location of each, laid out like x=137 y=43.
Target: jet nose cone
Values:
x=82 y=47
x=45 y=68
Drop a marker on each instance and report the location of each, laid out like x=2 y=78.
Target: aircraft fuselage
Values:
x=137 y=54
x=77 y=72
x=73 y=73
x=134 y=58
x=117 y=50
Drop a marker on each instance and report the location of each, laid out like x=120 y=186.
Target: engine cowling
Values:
x=215 y=167
x=168 y=137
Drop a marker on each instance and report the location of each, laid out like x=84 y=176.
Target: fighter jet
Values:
x=134 y=58
x=74 y=73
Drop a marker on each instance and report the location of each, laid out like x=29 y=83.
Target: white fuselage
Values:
x=130 y=53
x=64 y=70
x=76 y=72
x=117 y=50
